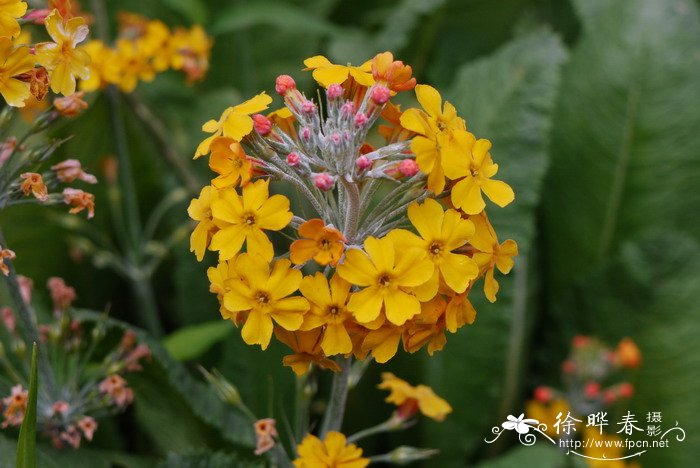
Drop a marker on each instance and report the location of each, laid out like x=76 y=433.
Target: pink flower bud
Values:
x=363 y=163
x=284 y=83
x=408 y=167
x=88 y=425
x=305 y=133
x=293 y=159
x=591 y=390
x=335 y=91
x=60 y=407
x=308 y=107
x=380 y=94
x=625 y=390
x=336 y=139
x=37 y=16
x=609 y=397
x=324 y=181
x=360 y=119
x=348 y=108
x=543 y=394
x=262 y=124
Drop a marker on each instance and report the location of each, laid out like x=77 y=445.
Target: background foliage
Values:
x=593 y=107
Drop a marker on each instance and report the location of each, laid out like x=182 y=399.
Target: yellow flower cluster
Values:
x=143 y=49
x=360 y=278
x=28 y=70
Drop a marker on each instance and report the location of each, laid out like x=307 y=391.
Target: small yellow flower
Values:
x=606 y=450
x=10 y=11
x=327 y=73
x=491 y=254
x=385 y=274
x=328 y=308
x=332 y=452
x=441 y=232
x=231 y=163
x=242 y=218
x=129 y=64
x=383 y=342
x=408 y=397
x=547 y=413
x=61 y=58
x=14 y=62
x=475 y=173
x=200 y=210
x=307 y=350
x=322 y=243
x=439 y=117
x=263 y=294
x=235 y=122
x=220 y=278
x=100 y=56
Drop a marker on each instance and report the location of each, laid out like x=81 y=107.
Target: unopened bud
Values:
x=262 y=124
x=348 y=108
x=305 y=133
x=568 y=366
x=334 y=91
x=225 y=389
x=308 y=107
x=363 y=163
x=360 y=119
x=284 y=83
x=324 y=181
x=591 y=390
x=579 y=341
x=625 y=390
x=543 y=394
x=406 y=455
x=380 y=94
x=336 y=139
x=37 y=16
x=408 y=167
x=293 y=159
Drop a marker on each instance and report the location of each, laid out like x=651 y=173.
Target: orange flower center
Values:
x=249 y=219
x=385 y=280
x=262 y=297
x=333 y=310
x=435 y=248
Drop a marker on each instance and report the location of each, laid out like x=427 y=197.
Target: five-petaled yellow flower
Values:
x=263 y=293
x=242 y=218
x=327 y=73
x=409 y=398
x=491 y=254
x=324 y=244
x=235 y=122
x=61 y=58
x=332 y=452
x=386 y=273
x=328 y=307
x=441 y=232
x=200 y=210
x=10 y=11
x=14 y=62
x=228 y=159
x=475 y=173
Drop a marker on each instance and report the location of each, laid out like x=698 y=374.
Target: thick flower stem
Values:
x=333 y=419
x=352 y=215
x=28 y=322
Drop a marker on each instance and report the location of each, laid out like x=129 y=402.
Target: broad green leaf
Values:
x=26 y=445
x=191 y=342
x=271 y=14
x=625 y=145
x=507 y=98
x=649 y=292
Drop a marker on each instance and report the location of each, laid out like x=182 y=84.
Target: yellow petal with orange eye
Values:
x=257 y=243
x=255 y=194
x=426 y=153
x=257 y=329
x=466 y=195
x=383 y=343
x=498 y=192
x=415 y=121
x=274 y=213
x=237 y=126
x=317 y=61
x=458 y=270
x=413 y=268
x=199 y=239
x=436 y=179
x=427 y=218
x=429 y=289
x=381 y=251
x=15 y=92
x=357 y=268
x=456 y=231
x=315 y=289
x=362 y=77
x=238 y=297
x=253 y=105
x=228 y=242
x=289 y=312
x=490 y=286
x=430 y=99
x=340 y=289
x=336 y=340
x=332 y=74
x=400 y=307
x=283 y=280
x=480 y=150
x=366 y=304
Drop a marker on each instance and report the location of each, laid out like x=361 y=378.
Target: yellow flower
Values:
x=200 y=210
x=322 y=243
x=407 y=397
x=441 y=232
x=10 y=11
x=129 y=64
x=100 y=57
x=605 y=451
x=263 y=294
x=220 y=278
x=61 y=58
x=231 y=163
x=491 y=254
x=192 y=49
x=327 y=73
x=383 y=342
x=14 y=62
x=235 y=122
x=385 y=273
x=547 y=413
x=307 y=350
x=476 y=172
x=437 y=116
x=242 y=218
x=328 y=307
x=332 y=452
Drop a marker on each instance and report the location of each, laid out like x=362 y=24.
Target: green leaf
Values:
x=542 y=455
x=191 y=342
x=649 y=292
x=625 y=141
x=26 y=445
x=507 y=98
x=212 y=460
x=194 y=10
x=272 y=14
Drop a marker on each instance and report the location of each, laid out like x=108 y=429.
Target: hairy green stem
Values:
x=301 y=407
x=333 y=419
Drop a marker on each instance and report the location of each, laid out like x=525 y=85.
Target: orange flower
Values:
x=80 y=201
x=5 y=254
x=265 y=432
x=393 y=73
x=15 y=406
x=307 y=350
x=627 y=354
x=229 y=161
x=34 y=183
x=322 y=243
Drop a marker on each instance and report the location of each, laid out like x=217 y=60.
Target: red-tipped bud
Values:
x=348 y=109
x=308 y=107
x=408 y=168
x=591 y=390
x=37 y=16
x=543 y=394
x=293 y=159
x=284 y=83
x=609 y=397
x=625 y=390
x=380 y=94
x=336 y=138
x=363 y=163
x=334 y=91
x=360 y=119
x=324 y=181
x=262 y=124
x=568 y=366
x=580 y=341
x=305 y=133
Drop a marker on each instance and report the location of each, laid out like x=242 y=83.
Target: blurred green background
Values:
x=593 y=108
